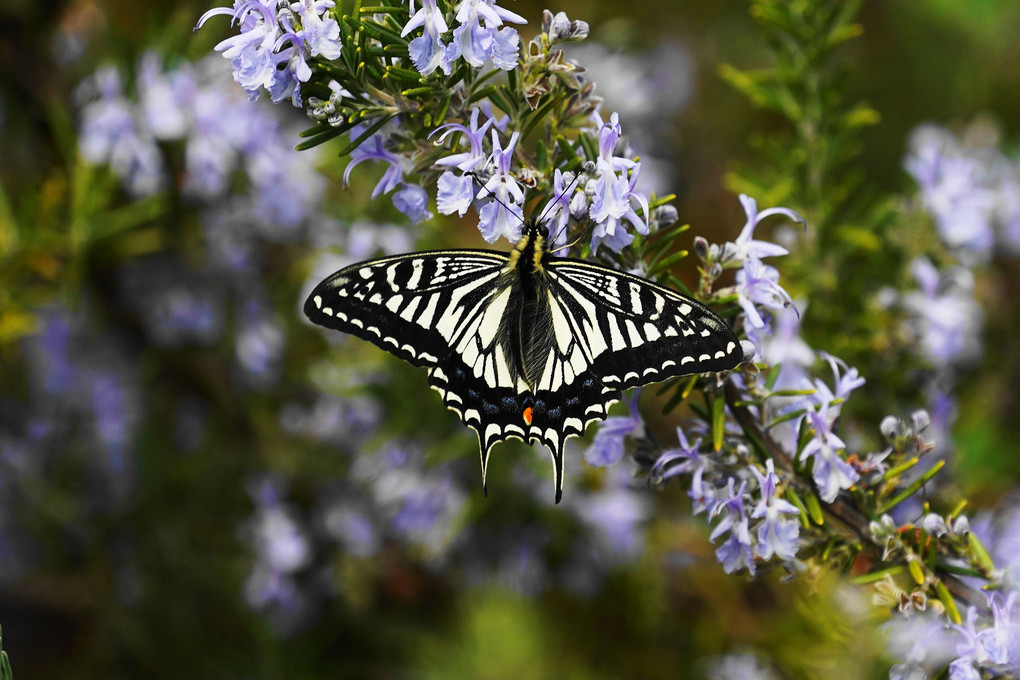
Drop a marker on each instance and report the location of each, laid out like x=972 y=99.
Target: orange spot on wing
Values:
x=527 y=415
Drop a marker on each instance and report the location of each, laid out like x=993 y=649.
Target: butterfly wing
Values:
x=611 y=331
x=442 y=310
x=631 y=331
x=413 y=306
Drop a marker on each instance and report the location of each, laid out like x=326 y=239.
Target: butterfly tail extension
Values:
x=557 y=460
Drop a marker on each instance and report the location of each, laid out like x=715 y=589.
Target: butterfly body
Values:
x=524 y=344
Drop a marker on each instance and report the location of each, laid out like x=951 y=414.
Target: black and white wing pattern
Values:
x=414 y=306
x=630 y=331
x=524 y=345
x=611 y=331
x=443 y=310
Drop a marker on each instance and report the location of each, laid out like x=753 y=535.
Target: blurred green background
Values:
x=149 y=581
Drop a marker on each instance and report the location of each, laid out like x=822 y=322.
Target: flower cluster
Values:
x=479 y=170
x=276 y=41
x=479 y=36
x=970 y=188
x=981 y=646
x=221 y=133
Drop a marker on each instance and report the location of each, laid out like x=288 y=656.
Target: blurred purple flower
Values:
x=616 y=514
x=946 y=317
x=114 y=418
x=109 y=134
x=51 y=356
x=412 y=200
x=259 y=343
x=607 y=446
x=758 y=284
x=688 y=455
x=777 y=534
x=831 y=473
x=736 y=552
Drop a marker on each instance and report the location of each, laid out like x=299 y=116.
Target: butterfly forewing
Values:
x=416 y=306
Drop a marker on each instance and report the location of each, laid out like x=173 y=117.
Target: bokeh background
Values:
x=194 y=482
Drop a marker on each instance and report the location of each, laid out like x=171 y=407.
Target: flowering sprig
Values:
x=395 y=78
x=768 y=460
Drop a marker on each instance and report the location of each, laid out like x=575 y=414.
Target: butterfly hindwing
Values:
x=414 y=306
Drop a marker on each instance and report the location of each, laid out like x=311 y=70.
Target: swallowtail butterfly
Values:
x=524 y=344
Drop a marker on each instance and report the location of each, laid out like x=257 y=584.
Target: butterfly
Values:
x=524 y=344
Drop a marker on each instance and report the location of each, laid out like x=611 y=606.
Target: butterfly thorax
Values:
x=527 y=317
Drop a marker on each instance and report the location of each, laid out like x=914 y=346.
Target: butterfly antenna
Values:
x=494 y=196
x=557 y=198
x=573 y=243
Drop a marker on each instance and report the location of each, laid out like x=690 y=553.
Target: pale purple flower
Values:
x=427 y=51
x=736 y=552
x=746 y=245
x=557 y=212
x=946 y=317
x=476 y=43
x=250 y=52
x=682 y=460
x=505 y=48
x=413 y=201
x=758 y=284
x=287 y=82
x=611 y=205
x=781 y=343
x=831 y=473
x=321 y=33
x=474 y=158
x=607 y=446
x=454 y=193
x=777 y=534
x=373 y=149
x=501 y=217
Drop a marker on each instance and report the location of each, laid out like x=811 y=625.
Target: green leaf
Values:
x=5 y=663
x=323 y=137
x=365 y=135
x=718 y=422
x=949 y=602
x=667 y=262
x=913 y=488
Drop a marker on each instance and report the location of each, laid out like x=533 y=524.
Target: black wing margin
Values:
x=409 y=305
